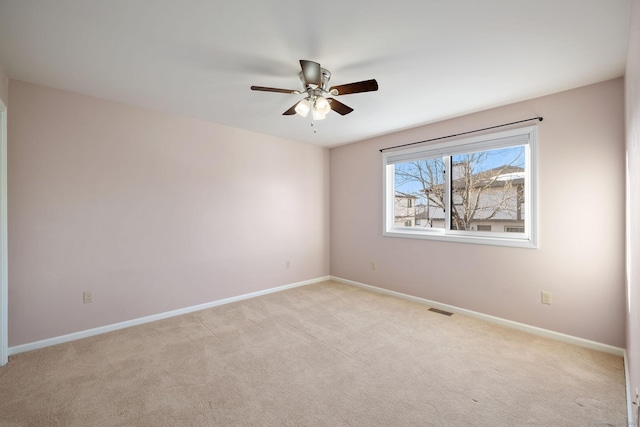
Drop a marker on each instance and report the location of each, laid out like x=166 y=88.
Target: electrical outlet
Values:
x=287 y=265
x=87 y=297
x=374 y=266
x=546 y=297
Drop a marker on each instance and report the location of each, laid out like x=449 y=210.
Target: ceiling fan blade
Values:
x=311 y=73
x=274 y=89
x=291 y=111
x=339 y=107
x=363 y=86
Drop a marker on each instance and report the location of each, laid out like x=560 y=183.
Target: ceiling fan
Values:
x=315 y=81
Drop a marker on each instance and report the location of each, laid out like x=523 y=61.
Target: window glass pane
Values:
x=419 y=194
x=487 y=190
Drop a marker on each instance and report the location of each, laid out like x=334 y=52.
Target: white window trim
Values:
x=527 y=136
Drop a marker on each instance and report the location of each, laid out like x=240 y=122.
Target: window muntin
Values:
x=478 y=190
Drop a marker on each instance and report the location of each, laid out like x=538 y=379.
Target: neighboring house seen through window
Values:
x=477 y=190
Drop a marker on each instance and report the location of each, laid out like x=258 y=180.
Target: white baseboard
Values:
x=453 y=309
x=630 y=395
x=139 y=321
x=504 y=322
x=515 y=325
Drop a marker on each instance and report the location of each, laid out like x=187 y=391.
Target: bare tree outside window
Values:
x=487 y=188
x=424 y=180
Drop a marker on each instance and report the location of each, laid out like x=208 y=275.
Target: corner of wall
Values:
x=4 y=86
x=632 y=101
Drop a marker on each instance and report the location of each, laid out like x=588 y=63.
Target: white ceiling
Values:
x=433 y=59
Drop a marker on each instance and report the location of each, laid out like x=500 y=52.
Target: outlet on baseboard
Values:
x=87 y=297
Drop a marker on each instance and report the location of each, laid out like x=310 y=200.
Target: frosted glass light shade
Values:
x=303 y=107
x=318 y=115
x=322 y=105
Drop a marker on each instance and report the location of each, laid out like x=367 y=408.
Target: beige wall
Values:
x=581 y=220
x=632 y=96
x=150 y=211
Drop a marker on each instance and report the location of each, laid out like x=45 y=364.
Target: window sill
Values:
x=458 y=237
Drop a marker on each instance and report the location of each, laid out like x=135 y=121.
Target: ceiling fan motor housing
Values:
x=326 y=76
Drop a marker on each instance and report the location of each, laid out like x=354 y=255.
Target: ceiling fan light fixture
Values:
x=322 y=105
x=318 y=115
x=303 y=107
x=315 y=81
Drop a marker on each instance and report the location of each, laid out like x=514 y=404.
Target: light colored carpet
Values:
x=326 y=354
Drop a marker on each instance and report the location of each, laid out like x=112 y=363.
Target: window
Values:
x=514 y=229
x=475 y=190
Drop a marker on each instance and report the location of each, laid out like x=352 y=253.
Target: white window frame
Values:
x=525 y=136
